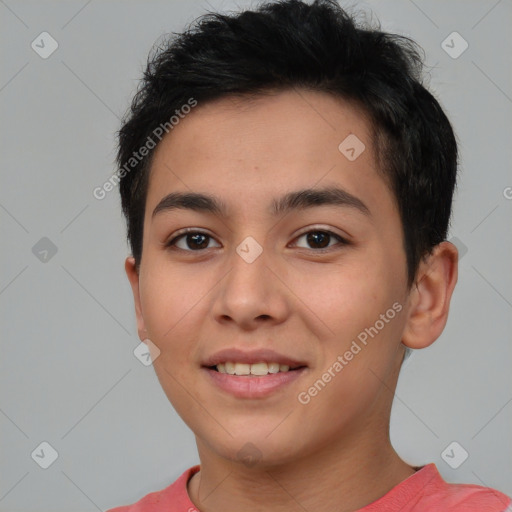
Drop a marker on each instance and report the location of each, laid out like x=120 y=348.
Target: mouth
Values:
x=251 y=374
x=259 y=369
x=253 y=381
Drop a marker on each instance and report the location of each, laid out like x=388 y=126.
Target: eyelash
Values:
x=191 y=231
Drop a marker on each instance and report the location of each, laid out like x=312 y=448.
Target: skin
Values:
x=333 y=453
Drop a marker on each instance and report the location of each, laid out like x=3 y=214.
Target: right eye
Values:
x=191 y=241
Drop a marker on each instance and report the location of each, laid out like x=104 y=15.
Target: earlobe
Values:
x=133 y=277
x=430 y=297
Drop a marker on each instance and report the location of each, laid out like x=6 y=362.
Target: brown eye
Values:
x=320 y=239
x=192 y=241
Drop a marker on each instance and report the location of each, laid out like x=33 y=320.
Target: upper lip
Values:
x=236 y=355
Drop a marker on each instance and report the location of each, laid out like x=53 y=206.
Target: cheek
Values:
x=343 y=298
x=167 y=302
x=357 y=368
x=357 y=310
x=169 y=308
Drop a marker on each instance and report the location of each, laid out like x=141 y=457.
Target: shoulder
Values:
x=174 y=497
x=441 y=495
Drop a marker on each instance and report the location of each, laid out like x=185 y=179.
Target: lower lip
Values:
x=242 y=386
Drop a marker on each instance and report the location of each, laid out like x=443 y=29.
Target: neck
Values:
x=341 y=478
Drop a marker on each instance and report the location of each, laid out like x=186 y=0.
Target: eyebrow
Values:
x=296 y=200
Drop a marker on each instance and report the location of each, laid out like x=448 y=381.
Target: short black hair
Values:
x=290 y=44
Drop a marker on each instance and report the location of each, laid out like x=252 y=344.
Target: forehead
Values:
x=247 y=147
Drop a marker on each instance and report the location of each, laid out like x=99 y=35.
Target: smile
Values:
x=259 y=369
x=249 y=385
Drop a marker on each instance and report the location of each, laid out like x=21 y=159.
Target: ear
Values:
x=133 y=277
x=430 y=295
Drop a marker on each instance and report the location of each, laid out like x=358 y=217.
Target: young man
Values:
x=287 y=183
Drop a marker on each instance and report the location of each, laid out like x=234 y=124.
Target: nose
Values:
x=252 y=294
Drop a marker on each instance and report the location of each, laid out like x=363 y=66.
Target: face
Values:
x=258 y=272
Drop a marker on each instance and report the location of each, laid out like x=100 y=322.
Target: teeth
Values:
x=259 y=369
x=230 y=368
x=273 y=367
x=242 y=369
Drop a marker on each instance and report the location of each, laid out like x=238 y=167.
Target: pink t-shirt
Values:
x=425 y=491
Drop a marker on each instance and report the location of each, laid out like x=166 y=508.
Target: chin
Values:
x=254 y=449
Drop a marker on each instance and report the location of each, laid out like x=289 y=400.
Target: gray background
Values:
x=68 y=373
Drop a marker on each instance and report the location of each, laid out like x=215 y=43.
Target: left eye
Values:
x=320 y=239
